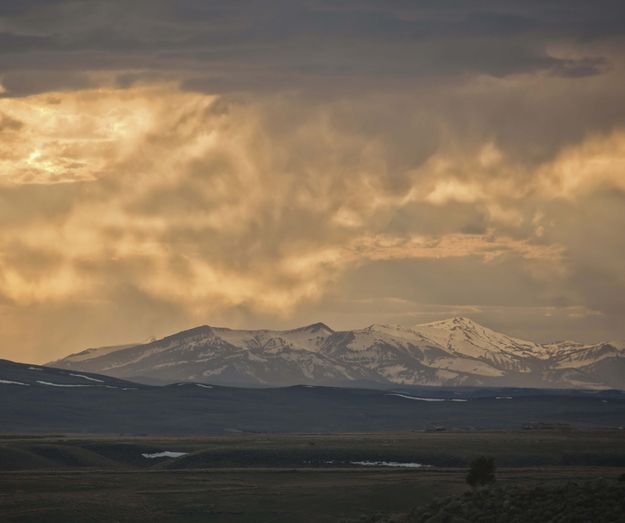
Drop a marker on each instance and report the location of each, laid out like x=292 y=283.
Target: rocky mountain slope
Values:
x=453 y=352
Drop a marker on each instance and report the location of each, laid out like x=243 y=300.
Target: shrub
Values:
x=481 y=471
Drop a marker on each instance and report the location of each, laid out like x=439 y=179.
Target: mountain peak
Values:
x=315 y=327
x=463 y=320
x=456 y=321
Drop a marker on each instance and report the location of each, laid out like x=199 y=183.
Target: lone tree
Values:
x=481 y=471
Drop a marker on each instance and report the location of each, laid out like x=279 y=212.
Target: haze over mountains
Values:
x=453 y=352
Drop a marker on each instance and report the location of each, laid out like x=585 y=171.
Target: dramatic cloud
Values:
x=166 y=164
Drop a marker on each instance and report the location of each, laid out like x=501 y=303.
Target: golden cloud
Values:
x=210 y=203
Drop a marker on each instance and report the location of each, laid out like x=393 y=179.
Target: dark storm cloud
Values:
x=222 y=46
x=18 y=7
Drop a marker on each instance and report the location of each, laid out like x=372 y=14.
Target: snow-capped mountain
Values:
x=456 y=351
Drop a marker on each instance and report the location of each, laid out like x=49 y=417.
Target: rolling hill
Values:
x=35 y=399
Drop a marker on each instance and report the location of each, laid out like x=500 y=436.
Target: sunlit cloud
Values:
x=186 y=198
x=79 y=136
x=595 y=163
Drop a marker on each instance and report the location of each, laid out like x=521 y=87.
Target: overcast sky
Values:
x=165 y=164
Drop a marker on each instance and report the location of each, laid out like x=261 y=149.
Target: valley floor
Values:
x=229 y=478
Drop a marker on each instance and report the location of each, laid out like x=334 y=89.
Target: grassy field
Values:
x=596 y=501
x=277 y=477
x=444 y=449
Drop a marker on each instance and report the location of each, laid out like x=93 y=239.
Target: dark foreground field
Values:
x=290 y=495
x=281 y=478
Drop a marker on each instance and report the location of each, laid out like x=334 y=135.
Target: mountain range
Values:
x=453 y=352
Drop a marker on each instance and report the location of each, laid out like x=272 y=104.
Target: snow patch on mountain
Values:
x=466 y=337
x=50 y=384
x=415 y=398
x=10 y=382
x=164 y=454
x=86 y=377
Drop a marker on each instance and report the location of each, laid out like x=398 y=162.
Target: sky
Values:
x=166 y=164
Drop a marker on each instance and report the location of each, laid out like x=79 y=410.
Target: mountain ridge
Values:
x=452 y=352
